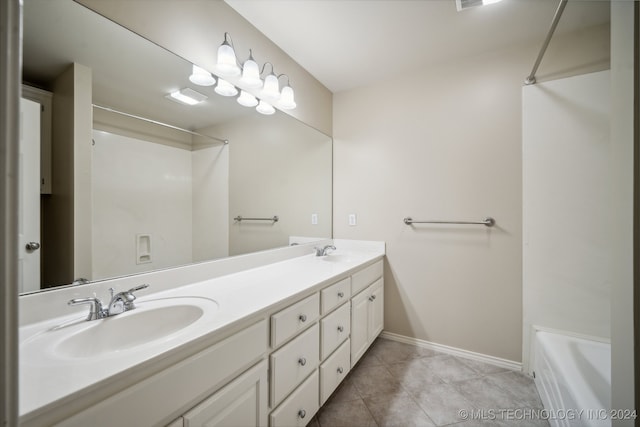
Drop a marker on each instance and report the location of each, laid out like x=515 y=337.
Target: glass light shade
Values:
x=226 y=64
x=265 y=108
x=286 y=98
x=225 y=88
x=201 y=77
x=251 y=74
x=271 y=89
x=247 y=100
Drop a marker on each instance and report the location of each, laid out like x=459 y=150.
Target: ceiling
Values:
x=350 y=43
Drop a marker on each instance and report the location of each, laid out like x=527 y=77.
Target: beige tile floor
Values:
x=396 y=384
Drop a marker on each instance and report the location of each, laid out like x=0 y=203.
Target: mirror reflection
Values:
x=118 y=191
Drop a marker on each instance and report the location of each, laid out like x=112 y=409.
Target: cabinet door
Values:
x=376 y=310
x=242 y=403
x=359 y=325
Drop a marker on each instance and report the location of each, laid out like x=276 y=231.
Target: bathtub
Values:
x=573 y=378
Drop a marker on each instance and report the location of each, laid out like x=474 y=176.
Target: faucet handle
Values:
x=95 y=312
x=137 y=288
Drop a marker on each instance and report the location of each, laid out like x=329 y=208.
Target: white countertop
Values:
x=47 y=380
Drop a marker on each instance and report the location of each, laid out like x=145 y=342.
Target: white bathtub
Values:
x=573 y=378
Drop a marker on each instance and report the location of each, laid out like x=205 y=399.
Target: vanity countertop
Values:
x=47 y=380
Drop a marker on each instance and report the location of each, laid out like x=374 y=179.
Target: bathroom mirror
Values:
x=146 y=196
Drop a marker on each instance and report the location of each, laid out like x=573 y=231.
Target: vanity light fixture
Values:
x=286 y=97
x=265 y=108
x=246 y=99
x=271 y=88
x=225 y=88
x=201 y=77
x=251 y=72
x=227 y=64
x=186 y=96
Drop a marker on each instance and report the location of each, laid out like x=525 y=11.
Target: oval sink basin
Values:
x=151 y=323
x=128 y=330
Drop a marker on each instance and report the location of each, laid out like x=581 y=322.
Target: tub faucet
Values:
x=323 y=251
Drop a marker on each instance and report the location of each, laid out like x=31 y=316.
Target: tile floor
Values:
x=396 y=384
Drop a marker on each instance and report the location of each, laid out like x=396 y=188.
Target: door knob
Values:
x=32 y=246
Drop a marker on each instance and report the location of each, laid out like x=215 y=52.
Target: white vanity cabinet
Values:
x=367 y=309
x=314 y=358
x=276 y=367
x=156 y=399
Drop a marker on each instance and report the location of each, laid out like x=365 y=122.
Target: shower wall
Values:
x=567 y=187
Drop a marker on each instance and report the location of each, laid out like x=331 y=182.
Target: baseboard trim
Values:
x=492 y=360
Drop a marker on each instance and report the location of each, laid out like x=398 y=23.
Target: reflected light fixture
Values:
x=466 y=4
x=227 y=64
x=265 y=108
x=201 y=77
x=225 y=88
x=186 y=96
x=246 y=99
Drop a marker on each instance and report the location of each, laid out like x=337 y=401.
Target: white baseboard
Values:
x=492 y=360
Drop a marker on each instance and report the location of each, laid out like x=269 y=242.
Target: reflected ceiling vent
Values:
x=466 y=4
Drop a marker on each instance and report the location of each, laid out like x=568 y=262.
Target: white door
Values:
x=29 y=197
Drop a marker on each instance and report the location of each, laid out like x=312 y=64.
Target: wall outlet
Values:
x=314 y=219
x=353 y=219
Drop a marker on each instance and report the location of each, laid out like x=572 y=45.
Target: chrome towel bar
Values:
x=240 y=218
x=488 y=221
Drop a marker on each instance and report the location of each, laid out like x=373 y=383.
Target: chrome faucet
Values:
x=323 y=251
x=120 y=302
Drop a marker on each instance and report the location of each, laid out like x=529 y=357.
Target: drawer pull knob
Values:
x=340 y=294
x=303 y=317
x=302 y=361
x=340 y=328
x=302 y=413
x=340 y=370
x=372 y=297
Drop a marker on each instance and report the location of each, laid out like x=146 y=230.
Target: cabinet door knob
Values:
x=302 y=317
x=302 y=413
x=340 y=328
x=340 y=294
x=302 y=361
x=372 y=297
x=340 y=370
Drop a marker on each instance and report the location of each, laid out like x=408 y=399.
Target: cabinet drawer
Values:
x=300 y=407
x=293 y=319
x=365 y=277
x=334 y=295
x=293 y=363
x=334 y=370
x=334 y=329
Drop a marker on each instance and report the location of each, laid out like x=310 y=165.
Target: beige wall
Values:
x=445 y=143
x=194 y=29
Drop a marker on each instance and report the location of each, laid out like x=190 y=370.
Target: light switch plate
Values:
x=353 y=219
x=314 y=219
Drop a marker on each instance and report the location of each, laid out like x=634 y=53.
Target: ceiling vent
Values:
x=466 y=4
